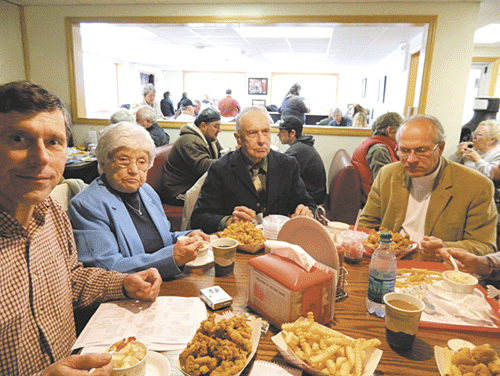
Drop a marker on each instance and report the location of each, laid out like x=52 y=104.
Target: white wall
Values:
x=11 y=47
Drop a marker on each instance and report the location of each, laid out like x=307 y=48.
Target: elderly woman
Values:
x=149 y=95
x=484 y=152
x=118 y=221
x=378 y=150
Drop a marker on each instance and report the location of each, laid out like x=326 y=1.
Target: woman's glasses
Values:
x=124 y=162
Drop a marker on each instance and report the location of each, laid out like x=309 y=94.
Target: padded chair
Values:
x=343 y=200
x=154 y=179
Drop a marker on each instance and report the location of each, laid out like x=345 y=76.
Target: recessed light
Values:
x=487 y=34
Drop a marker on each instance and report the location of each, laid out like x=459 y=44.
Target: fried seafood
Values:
x=218 y=349
x=480 y=361
x=399 y=242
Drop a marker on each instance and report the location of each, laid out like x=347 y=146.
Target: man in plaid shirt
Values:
x=42 y=280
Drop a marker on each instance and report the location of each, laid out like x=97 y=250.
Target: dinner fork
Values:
x=492 y=291
x=227 y=314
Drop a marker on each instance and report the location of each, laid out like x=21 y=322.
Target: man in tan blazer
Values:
x=437 y=202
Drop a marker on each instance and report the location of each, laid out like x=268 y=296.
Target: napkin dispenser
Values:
x=282 y=291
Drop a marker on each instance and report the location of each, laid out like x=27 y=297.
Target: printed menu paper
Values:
x=168 y=323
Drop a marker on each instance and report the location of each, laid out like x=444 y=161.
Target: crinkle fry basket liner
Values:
x=255 y=325
x=370 y=363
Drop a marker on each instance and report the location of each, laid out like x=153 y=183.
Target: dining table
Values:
x=350 y=318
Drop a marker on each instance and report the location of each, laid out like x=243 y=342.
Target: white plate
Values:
x=157 y=365
x=202 y=261
x=313 y=238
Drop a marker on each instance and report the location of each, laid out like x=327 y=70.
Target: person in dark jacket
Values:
x=146 y=117
x=166 y=105
x=191 y=155
x=339 y=120
x=312 y=170
x=252 y=179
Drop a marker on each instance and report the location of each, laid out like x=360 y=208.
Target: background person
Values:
x=312 y=170
x=485 y=151
x=252 y=179
x=378 y=150
x=118 y=220
x=146 y=117
x=293 y=104
x=45 y=282
x=187 y=111
x=339 y=120
x=228 y=106
x=148 y=99
x=485 y=267
x=191 y=155
x=360 y=120
x=121 y=115
x=166 y=105
x=438 y=203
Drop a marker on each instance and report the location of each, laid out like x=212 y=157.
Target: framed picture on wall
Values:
x=257 y=86
x=147 y=78
x=381 y=89
x=259 y=102
x=363 y=87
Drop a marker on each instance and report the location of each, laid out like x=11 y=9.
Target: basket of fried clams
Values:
x=250 y=238
x=220 y=347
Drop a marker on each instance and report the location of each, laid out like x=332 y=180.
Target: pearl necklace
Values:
x=138 y=211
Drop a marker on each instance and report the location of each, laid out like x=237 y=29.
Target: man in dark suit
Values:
x=253 y=179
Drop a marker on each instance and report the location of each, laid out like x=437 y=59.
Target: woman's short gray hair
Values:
x=439 y=136
x=493 y=128
x=127 y=135
x=149 y=88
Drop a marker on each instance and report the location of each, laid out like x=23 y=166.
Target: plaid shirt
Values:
x=41 y=283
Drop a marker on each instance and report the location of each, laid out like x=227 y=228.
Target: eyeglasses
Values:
x=477 y=134
x=124 y=162
x=419 y=152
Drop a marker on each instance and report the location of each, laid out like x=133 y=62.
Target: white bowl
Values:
x=138 y=369
x=459 y=282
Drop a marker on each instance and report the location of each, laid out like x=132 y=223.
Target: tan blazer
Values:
x=461 y=210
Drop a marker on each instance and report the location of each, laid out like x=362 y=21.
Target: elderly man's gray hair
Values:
x=237 y=121
x=337 y=111
x=440 y=136
x=147 y=112
x=121 y=115
x=149 y=88
x=127 y=135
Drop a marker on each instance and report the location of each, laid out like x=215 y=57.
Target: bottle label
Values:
x=377 y=288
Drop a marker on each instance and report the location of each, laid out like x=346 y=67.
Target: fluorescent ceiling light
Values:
x=284 y=32
x=487 y=34
x=293 y=57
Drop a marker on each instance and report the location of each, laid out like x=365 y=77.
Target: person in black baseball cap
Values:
x=312 y=169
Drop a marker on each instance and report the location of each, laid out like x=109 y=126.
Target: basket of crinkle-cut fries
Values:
x=250 y=238
x=323 y=351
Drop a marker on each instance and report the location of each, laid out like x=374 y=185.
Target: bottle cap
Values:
x=385 y=236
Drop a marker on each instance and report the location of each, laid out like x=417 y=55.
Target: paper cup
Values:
x=402 y=315
x=224 y=255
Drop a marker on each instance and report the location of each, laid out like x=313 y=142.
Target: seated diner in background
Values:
x=294 y=105
x=484 y=151
x=118 y=220
x=339 y=120
x=484 y=267
x=378 y=150
x=250 y=180
x=44 y=286
x=437 y=202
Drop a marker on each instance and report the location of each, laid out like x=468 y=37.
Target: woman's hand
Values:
x=199 y=235
x=186 y=249
x=466 y=261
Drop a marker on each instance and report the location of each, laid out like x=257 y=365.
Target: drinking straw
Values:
x=357 y=220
